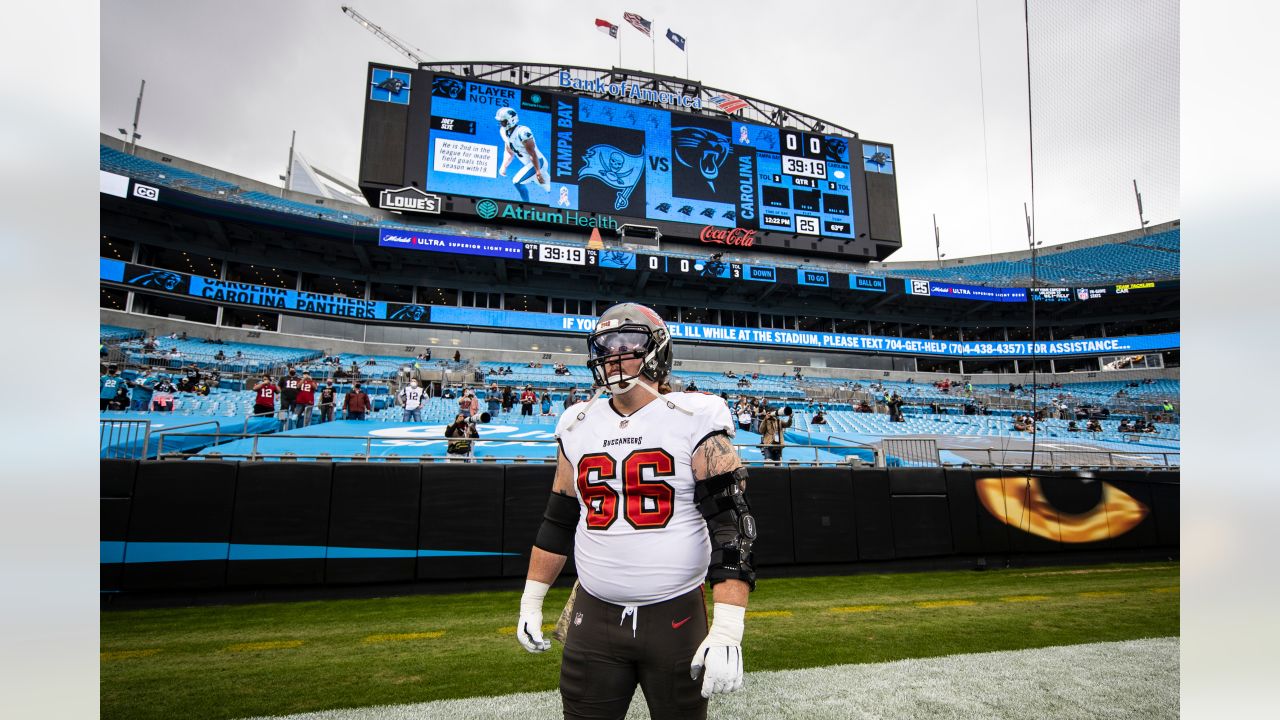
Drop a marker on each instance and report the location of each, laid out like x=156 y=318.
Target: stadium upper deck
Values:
x=1120 y=258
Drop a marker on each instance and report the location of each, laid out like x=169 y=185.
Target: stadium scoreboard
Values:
x=695 y=173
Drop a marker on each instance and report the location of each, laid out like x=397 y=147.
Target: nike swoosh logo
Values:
x=676 y=625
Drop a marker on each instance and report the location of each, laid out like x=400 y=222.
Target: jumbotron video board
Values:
x=519 y=154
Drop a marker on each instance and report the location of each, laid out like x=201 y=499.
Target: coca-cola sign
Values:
x=728 y=236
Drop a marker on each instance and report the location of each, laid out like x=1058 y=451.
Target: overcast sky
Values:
x=227 y=82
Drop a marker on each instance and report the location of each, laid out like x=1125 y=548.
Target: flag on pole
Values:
x=605 y=26
x=638 y=23
x=675 y=38
x=729 y=103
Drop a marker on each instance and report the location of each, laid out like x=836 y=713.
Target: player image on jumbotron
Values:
x=518 y=142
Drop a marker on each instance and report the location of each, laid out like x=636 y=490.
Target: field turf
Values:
x=273 y=659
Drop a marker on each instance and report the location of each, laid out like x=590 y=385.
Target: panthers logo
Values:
x=162 y=279
x=449 y=88
x=836 y=149
x=701 y=148
x=410 y=312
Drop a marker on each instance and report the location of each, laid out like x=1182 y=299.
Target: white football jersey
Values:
x=640 y=538
x=412 y=397
x=515 y=143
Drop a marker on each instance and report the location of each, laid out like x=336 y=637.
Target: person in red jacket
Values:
x=305 y=400
x=356 y=403
x=527 y=398
x=265 y=401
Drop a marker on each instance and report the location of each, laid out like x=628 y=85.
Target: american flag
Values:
x=729 y=103
x=605 y=26
x=638 y=23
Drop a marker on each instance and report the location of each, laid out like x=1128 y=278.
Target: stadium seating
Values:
x=256 y=358
x=271 y=202
x=138 y=168
x=1155 y=257
x=115 y=333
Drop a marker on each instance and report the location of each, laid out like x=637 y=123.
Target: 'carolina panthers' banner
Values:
x=576 y=156
x=827 y=341
x=156 y=279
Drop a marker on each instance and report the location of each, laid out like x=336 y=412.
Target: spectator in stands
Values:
x=141 y=390
x=1094 y=426
x=457 y=356
x=305 y=400
x=744 y=416
x=508 y=399
x=264 y=401
x=459 y=434
x=571 y=398
x=895 y=408
x=527 y=399
x=546 y=403
x=410 y=398
x=473 y=403
x=771 y=438
x=162 y=398
x=819 y=418
x=356 y=403
x=1125 y=427
x=1073 y=427
x=328 y=401
x=107 y=386
x=692 y=386
x=289 y=395
x=183 y=336
x=121 y=400
x=464 y=404
x=863 y=407
x=493 y=400
x=201 y=389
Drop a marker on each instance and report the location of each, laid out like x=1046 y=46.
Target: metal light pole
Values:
x=137 y=111
x=288 y=173
x=1141 y=222
x=937 y=240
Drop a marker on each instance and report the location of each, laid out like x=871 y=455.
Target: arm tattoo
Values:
x=720 y=455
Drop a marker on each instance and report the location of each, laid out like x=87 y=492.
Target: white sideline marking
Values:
x=1131 y=679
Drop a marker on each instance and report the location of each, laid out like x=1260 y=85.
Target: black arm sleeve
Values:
x=558 y=524
x=723 y=503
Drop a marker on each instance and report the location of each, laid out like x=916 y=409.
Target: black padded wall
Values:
x=181 y=510
x=769 y=492
x=373 y=523
x=874 y=516
x=822 y=509
x=460 y=529
x=280 y=529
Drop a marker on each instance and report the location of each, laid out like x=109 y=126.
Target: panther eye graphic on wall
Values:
x=701 y=148
x=1021 y=502
x=410 y=312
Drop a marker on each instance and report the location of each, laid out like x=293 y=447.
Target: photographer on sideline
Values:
x=459 y=435
x=771 y=427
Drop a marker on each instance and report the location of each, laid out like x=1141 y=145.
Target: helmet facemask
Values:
x=607 y=349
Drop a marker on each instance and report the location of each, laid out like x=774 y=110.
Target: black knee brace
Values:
x=559 y=523
x=722 y=502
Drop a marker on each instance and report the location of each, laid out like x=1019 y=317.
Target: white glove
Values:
x=529 y=629
x=721 y=653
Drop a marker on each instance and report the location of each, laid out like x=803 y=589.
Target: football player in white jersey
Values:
x=518 y=142
x=649 y=497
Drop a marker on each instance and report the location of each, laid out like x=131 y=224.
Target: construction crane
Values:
x=382 y=35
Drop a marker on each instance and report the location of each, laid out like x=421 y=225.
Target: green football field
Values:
x=273 y=659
